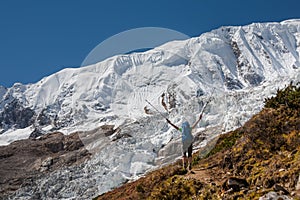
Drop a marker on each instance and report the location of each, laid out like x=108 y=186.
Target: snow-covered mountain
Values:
x=236 y=67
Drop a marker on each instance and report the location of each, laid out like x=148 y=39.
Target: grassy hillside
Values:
x=260 y=158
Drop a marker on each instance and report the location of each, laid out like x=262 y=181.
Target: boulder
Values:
x=281 y=189
x=274 y=196
x=235 y=184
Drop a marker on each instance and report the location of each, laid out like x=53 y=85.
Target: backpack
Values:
x=187 y=137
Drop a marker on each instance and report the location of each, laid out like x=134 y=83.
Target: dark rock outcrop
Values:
x=25 y=160
x=16 y=115
x=235 y=184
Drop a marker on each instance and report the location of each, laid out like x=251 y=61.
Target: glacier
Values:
x=236 y=66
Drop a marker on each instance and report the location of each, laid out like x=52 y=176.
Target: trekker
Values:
x=187 y=141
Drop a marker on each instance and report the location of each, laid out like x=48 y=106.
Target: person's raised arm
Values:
x=176 y=127
x=195 y=124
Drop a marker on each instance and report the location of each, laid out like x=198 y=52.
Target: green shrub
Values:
x=288 y=97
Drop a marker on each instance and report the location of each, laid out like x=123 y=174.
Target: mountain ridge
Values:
x=252 y=67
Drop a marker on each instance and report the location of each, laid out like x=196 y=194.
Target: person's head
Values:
x=185 y=124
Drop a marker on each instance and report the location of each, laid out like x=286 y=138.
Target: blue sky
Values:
x=38 y=38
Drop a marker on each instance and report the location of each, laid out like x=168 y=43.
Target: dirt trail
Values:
x=208 y=176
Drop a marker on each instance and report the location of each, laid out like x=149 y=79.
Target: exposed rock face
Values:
x=3 y=90
x=36 y=133
x=245 y=69
x=15 y=114
x=23 y=161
